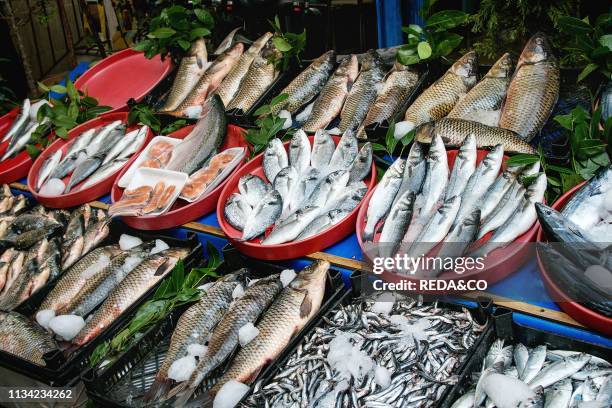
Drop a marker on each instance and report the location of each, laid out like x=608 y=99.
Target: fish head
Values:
x=473 y=219
x=406 y=203
x=325 y=61
x=424 y=133
x=233 y=53
x=493 y=156
x=176 y=252
x=365 y=153
x=502 y=67
x=466 y=66
x=259 y=43
x=416 y=154
x=273 y=198
x=468 y=146
x=436 y=148
x=370 y=60
x=348 y=68
x=536 y=50
x=338 y=177
x=312 y=280
x=198 y=50
x=535 y=401
x=535 y=191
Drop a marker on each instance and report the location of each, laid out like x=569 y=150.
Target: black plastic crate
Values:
x=134 y=371
x=60 y=368
x=512 y=332
x=481 y=313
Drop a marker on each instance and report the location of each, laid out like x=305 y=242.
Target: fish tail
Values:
x=182 y=392
x=159 y=389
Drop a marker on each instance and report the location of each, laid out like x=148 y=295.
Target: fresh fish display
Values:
x=190 y=70
x=231 y=85
x=441 y=97
x=533 y=91
x=21 y=130
x=360 y=357
x=25 y=339
x=296 y=304
x=193 y=327
x=483 y=102
x=397 y=86
x=191 y=106
x=448 y=209
x=91 y=157
x=307 y=84
x=363 y=92
x=39 y=246
x=203 y=141
x=539 y=379
x=135 y=284
x=330 y=101
x=454 y=131
x=306 y=193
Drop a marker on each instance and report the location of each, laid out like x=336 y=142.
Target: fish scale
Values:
x=397 y=86
x=454 y=132
x=331 y=99
x=259 y=77
x=190 y=70
x=291 y=310
x=487 y=95
x=24 y=338
x=439 y=99
x=225 y=337
x=234 y=81
x=307 y=84
x=533 y=91
x=363 y=93
x=135 y=284
x=194 y=326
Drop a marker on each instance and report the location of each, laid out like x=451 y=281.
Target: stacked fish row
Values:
x=516 y=376
x=350 y=93
x=374 y=354
x=422 y=206
x=239 y=77
x=579 y=263
x=99 y=286
x=254 y=317
x=502 y=108
x=93 y=156
x=308 y=190
x=38 y=245
x=22 y=129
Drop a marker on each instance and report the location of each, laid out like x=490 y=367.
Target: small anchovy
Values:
x=360 y=357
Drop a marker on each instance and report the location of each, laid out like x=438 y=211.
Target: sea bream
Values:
x=440 y=98
x=331 y=99
x=533 y=91
x=190 y=70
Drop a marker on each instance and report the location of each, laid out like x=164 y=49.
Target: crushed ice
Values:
x=230 y=394
x=247 y=333
x=127 y=242
x=287 y=276
x=66 y=326
x=53 y=187
x=159 y=247
x=181 y=369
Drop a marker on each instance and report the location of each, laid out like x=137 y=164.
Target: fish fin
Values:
x=162 y=268
x=306 y=306
x=182 y=392
x=200 y=62
x=160 y=388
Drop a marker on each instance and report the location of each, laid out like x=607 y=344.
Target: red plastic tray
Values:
x=183 y=211
x=581 y=313
x=289 y=250
x=506 y=261
x=125 y=74
x=90 y=193
x=16 y=167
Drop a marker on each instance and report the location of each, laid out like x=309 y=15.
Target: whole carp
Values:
x=259 y=77
x=454 y=132
x=230 y=86
x=483 y=102
x=190 y=71
x=208 y=83
x=440 y=98
x=400 y=81
x=307 y=84
x=533 y=91
x=293 y=308
x=331 y=99
x=363 y=93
